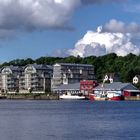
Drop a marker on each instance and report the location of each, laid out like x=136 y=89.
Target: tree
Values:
x=127 y=67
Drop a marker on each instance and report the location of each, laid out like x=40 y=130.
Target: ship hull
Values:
x=71 y=97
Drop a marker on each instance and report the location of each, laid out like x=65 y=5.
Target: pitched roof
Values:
x=113 y=86
x=41 y=66
x=13 y=68
x=74 y=86
x=74 y=64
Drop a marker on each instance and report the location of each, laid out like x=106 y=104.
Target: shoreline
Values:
x=29 y=96
x=46 y=96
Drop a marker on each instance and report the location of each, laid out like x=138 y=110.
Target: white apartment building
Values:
x=9 y=78
x=35 y=78
x=31 y=78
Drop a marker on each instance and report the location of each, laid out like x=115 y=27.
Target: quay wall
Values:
x=132 y=98
x=31 y=96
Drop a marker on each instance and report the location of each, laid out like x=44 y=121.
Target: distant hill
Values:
x=126 y=67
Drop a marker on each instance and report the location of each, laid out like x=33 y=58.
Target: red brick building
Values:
x=87 y=86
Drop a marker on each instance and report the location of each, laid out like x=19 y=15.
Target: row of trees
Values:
x=126 y=67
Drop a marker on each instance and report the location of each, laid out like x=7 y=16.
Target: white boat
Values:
x=71 y=97
x=114 y=96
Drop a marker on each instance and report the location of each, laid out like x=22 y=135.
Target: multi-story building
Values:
x=68 y=73
x=38 y=78
x=9 y=78
x=35 y=78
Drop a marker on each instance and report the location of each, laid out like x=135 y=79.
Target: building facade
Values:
x=31 y=78
x=72 y=89
x=35 y=78
x=39 y=78
x=111 y=88
x=67 y=73
x=87 y=87
x=9 y=78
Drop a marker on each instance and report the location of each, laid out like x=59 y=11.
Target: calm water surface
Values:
x=69 y=120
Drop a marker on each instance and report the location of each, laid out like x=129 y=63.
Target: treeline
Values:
x=126 y=67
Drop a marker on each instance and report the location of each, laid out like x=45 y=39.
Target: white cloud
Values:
x=100 y=43
x=84 y=50
x=118 y=26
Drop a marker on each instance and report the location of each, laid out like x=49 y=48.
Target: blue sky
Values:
x=47 y=40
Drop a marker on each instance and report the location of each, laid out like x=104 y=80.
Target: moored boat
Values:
x=115 y=96
x=91 y=97
x=97 y=97
x=71 y=97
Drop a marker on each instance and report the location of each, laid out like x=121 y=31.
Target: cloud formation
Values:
x=39 y=14
x=115 y=36
x=35 y=14
x=118 y=26
x=28 y=15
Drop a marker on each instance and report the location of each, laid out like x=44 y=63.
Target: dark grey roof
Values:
x=49 y=66
x=74 y=64
x=13 y=68
x=113 y=86
x=75 y=86
x=40 y=66
x=16 y=68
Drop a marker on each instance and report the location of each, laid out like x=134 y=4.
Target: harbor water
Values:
x=69 y=120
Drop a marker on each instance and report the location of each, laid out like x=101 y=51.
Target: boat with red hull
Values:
x=110 y=96
x=115 y=97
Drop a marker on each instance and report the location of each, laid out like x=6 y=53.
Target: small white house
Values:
x=111 y=77
x=136 y=79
